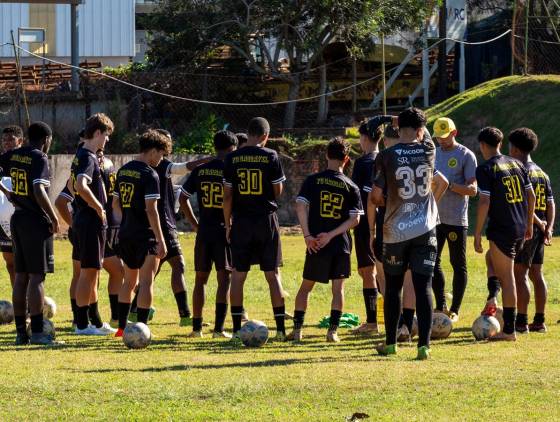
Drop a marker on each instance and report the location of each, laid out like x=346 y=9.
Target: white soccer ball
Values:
x=254 y=333
x=500 y=316
x=485 y=327
x=49 y=308
x=137 y=335
x=441 y=326
x=6 y=312
x=48 y=328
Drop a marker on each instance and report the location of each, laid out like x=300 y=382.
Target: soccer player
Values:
x=328 y=206
x=528 y=262
x=32 y=226
x=406 y=172
x=458 y=164
x=141 y=241
x=253 y=180
x=241 y=139
x=362 y=175
x=90 y=223
x=508 y=200
x=211 y=247
x=12 y=138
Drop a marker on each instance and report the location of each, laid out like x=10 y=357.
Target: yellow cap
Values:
x=443 y=127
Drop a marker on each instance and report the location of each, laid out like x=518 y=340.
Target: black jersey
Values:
x=86 y=164
x=405 y=172
x=542 y=187
x=136 y=182
x=27 y=166
x=109 y=176
x=166 y=203
x=332 y=198
x=206 y=181
x=251 y=172
x=363 y=175
x=505 y=181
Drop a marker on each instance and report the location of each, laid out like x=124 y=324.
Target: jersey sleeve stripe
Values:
x=484 y=192
x=302 y=199
x=65 y=195
x=152 y=196
x=116 y=194
x=356 y=212
x=184 y=192
x=228 y=184
x=280 y=180
x=42 y=182
x=367 y=189
x=85 y=176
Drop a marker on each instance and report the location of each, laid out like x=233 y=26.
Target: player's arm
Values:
x=186 y=208
x=228 y=203
x=439 y=185
x=153 y=219
x=180 y=169
x=550 y=217
x=43 y=200
x=87 y=195
x=117 y=210
x=302 y=211
x=371 y=216
x=468 y=189
x=61 y=203
x=531 y=199
x=6 y=191
x=481 y=215
x=376 y=197
x=324 y=238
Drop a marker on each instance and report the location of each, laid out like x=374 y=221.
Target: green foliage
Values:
x=123 y=71
x=199 y=138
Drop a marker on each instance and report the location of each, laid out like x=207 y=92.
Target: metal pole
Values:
x=513 y=22
x=526 y=63
x=383 y=73
x=18 y=67
x=426 y=72
x=462 y=73
x=75 y=61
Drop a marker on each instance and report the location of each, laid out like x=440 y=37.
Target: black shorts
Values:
x=418 y=255
x=33 y=244
x=5 y=242
x=510 y=247
x=364 y=254
x=256 y=240
x=324 y=266
x=532 y=251
x=210 y=248
x=133 y=252
x=89 y=236
x=172 y=244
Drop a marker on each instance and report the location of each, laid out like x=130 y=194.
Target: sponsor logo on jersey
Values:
x=430 y=263
x=403 y=161
x=452 y=163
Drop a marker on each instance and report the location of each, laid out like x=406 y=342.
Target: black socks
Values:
x=370 y=300
x=221 y=312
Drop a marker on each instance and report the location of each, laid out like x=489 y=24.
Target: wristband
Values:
x=305 y=237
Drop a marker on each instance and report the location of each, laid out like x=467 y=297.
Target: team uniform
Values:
x=136 y=182
x=532 y=251
x=166 y=209
x=109 y=180
x=6 y=212
x=88 y=230
x=332 y=198
x=251 y=172
x=211 y=247
x=30 y=225
x=363 y=175
x=505 y=180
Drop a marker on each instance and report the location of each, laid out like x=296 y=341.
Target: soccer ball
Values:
x=414 y=331
x=441 y=326
x=49 y=308
x=48 y=328
x=137 y=336
x=500 y=316
x=6 y=312
x=254 y=333
x=485 y=327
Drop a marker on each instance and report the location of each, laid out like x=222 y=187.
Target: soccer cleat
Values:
x=280 y=336
x=295 y=336
x=501 y=336
x=537 y=327
x=43 y=339
x=423 y=353
x=386 y=350
x=107 y=329
x=332 y=337
x=366 y=328
x=195 y=334
x=90 y=330
x=403 y=336
x=490 y=308
x=522 y=328
x=235 y=340
x=221 y=334
x=454 y=317
x=119 y=332
x=114 y=323
x=22 y=340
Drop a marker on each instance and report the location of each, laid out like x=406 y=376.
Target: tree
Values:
x=263 y=31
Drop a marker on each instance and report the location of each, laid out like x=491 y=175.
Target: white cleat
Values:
x=89 y=331
x=221 y=334
x=107 y=329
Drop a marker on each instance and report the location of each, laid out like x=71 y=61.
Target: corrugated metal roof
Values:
x=12 y=17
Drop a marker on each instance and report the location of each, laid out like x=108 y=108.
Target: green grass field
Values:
x=206 y=379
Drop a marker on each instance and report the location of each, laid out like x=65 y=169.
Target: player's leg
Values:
x=408 y=310
x=424 y=308
x=222 y=299
x=9 y=260
x=458 y=258
x=493 y=285
x=87 y=281
x=146 y=287
x=178 y=287
x=366 y=270
x=35 y=302
x=199 y=297
x=302 y=298
x=274 y=281
x=93 y=310
x=380 y=276
x=19 y=301
x=114 y=267
x=130 y=282
x=523 y=290
x=503 y=267
x=439 y=278
x=237 y=282
x=337 y=305
x=541 y=293
x=73 y=284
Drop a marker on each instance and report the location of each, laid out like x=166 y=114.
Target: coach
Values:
x=458 y=164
